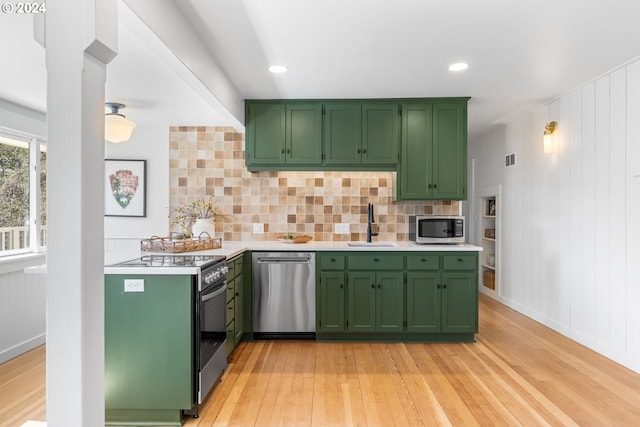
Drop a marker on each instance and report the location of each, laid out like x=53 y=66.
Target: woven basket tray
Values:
x=165 y=244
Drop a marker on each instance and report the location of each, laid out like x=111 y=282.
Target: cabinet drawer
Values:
x=231 y=273
x=231 y=289
x=376 y=262
x=460 y=262
x=423 y=262
x=332 y=262
x=230 y=311
x=239 y=265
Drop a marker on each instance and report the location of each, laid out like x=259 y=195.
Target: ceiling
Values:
x=521 y=53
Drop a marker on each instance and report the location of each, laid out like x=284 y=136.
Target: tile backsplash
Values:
x=209 y=160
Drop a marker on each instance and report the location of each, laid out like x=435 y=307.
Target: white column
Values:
x=80 y=39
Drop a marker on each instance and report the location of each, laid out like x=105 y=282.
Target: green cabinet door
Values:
x=362 y=302
x=331 y=301
x=380 y=136
x=416 y=166
x=449 y=151
x=303 y=134
x=265 y=134
x=433 y=164
x=376 y=301
x=423 y=302
x=459 y=302
x=389 y=301
x=148 y=338
x=342 y=133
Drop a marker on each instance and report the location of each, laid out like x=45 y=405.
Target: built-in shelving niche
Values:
x=489 y=239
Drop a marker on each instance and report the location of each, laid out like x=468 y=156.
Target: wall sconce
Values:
x=547 y=138
x=117 y=128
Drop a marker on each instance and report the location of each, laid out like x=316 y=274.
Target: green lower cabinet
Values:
x=423 y=302
x=459 y=302
x=444 y=302
x=149 y=360
x=375 y=301
x=331 y=298
x=397 y=296
x=235 y=303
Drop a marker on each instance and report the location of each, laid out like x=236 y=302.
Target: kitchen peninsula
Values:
x=159 y=313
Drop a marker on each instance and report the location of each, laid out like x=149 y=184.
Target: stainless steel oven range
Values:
x=211 y=326
x=210 y=356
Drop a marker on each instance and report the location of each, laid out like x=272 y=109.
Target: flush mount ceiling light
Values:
x=117 y=128
x=458 y=66
x=277 y=69
x=547 y=136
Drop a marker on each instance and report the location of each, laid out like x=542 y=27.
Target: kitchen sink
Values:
x=372 y=244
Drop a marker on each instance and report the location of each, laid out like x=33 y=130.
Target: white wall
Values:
x=569 y=219
x=150 y=143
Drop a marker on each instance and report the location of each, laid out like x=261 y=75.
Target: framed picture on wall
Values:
x=491 y=207
x=125 y=191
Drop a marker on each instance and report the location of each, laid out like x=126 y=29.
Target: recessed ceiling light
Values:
x=458 y=66
x=278 y=69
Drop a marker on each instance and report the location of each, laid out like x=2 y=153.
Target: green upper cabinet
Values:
x=265 y=134
x=380 y=136
x=434 y=151
x=304 y=134
x=342 y=133
x=361 y=134
x=424 y=139
x=283 y=134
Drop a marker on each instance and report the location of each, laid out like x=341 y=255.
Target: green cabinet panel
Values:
x=423 y=302
x=304 y=134
x=459 y=262
x=265 y=134
x=331 y=298
x=332 y=262
x=433 y=163
x=445 y=301
x=380 y=135
x=449 y=151
x=426 y=261
x=149 y=335
x=362 y=302
x=280 y=133
x=375 y=261
x=238 y=310
x=389 y=301
x=361 y=134
x=342 y=133
x=235 y=303
x=459 y=302
x=376 y=301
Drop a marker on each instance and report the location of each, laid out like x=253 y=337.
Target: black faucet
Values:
x=370 y=221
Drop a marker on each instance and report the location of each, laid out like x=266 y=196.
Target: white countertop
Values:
x=231 y=249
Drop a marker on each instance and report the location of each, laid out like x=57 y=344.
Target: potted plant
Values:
x=197 y=217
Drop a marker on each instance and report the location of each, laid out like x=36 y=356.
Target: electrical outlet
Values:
x=341 y=228
x=258 y=228
x=134 y=285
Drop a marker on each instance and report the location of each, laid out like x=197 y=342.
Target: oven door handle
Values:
x=206 y=297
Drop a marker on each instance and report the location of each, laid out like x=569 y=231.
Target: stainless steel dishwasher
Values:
x=284 y=295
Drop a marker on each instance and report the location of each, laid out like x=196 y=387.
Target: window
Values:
x=23 y=164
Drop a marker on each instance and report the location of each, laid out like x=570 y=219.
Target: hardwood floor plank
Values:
x=518 y=372
x=453 y=405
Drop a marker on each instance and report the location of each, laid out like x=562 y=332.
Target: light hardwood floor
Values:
x=517 y=373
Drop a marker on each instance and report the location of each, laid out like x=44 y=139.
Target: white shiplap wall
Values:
x=22 y=312
x=571 y=228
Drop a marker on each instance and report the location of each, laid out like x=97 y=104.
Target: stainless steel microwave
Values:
x=430 y=229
